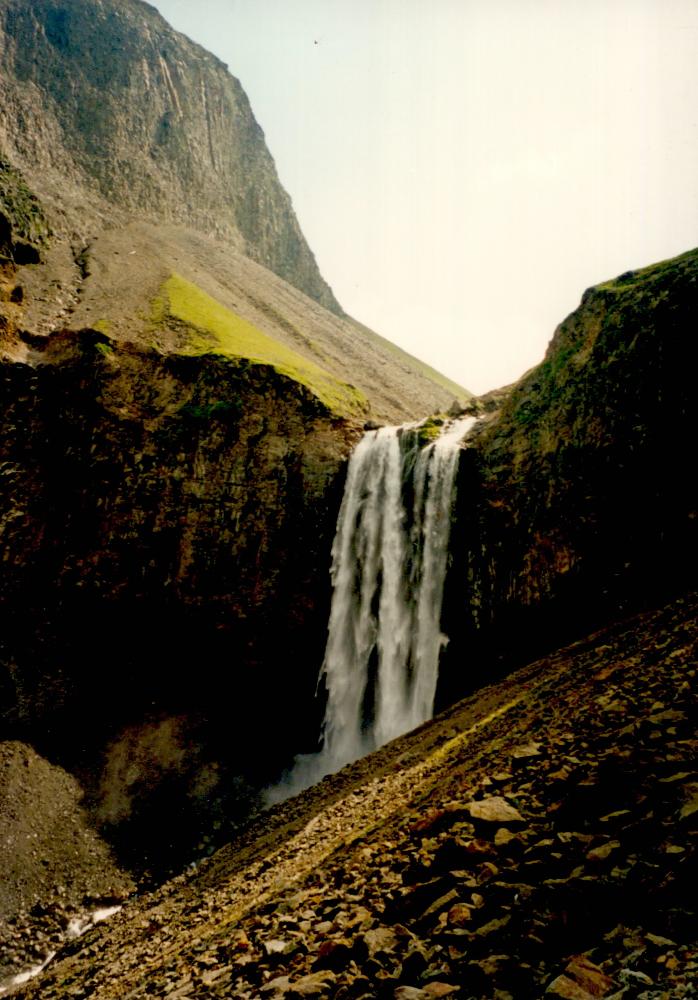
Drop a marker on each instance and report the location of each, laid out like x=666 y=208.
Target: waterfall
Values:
x=389 y=561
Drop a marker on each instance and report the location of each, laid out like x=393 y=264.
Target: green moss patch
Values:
x=430 y=429
x=21 y=212
x=665 y=270
x=214 y=329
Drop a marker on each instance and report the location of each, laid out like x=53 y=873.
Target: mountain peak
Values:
x=143 y=122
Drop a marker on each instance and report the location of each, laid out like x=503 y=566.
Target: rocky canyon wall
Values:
x=166 y=524
x=577 y=501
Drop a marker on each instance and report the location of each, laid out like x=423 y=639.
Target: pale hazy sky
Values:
x=464 y=169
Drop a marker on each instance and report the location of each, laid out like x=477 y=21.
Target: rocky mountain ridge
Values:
x=111 y=113
x=129 y=154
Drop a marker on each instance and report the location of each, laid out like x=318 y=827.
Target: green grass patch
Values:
x=217 y=330
x=664 y=269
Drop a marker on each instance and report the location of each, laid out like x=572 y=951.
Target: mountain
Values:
x=130 y=157
x=116 y=115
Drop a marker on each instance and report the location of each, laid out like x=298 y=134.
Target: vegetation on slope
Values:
x=584 y=379
x=214 y=329
x=23 y=226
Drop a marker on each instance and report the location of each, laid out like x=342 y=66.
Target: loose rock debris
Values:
x=538 y=840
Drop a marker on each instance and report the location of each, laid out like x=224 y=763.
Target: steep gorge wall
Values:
x=107 y=109
x=577 y=501
x=166 y=524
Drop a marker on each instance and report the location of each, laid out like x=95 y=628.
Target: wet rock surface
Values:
x=536 y=840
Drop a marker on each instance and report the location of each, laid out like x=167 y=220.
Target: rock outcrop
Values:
x=578 y=497
x=164 y=518
x=112 y=112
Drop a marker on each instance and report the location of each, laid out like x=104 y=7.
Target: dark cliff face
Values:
x=577 y=502
x=103 y=102
x=166 y=524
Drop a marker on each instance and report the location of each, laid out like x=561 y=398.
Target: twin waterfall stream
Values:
x=389 y=561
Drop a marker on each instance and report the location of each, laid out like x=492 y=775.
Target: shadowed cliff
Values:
x=578 y=502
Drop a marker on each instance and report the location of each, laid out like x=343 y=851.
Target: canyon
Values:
x=181 y=394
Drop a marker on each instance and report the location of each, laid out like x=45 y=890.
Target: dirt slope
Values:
x=117 y=282
x=540 y=836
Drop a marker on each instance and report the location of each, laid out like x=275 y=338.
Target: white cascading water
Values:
x=389 y=561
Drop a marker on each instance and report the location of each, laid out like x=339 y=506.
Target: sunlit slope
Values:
x=127 y=268
x=217 y=330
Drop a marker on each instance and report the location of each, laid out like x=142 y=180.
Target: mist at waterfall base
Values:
x=389 y=562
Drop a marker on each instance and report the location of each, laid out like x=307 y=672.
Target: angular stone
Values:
x=667 y=717
x=317 y=984
x=604 y=851
x=380 y=940
x=494 y=809
x=503 y=837
x=434 y=990
x=460 y=915
x=276 y=988
x=568 y=989
x=441 y=904
x=634 y=977
x=582 y=975
x=522 y=754
x=492 y=927
x=660 y=942
x=277 y=947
